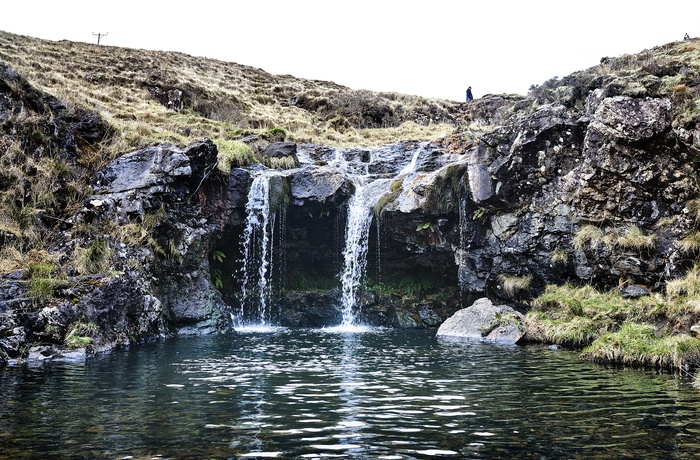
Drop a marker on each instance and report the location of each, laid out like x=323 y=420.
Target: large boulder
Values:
x=141 y=180
x=485 y=321
x=152 y=166
x=280 y=150
x=631 y=119
x=320 y=184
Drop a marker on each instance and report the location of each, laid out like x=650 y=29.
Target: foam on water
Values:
x=258 y=329
x=350 y=329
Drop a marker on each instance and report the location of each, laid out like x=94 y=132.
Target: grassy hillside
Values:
x=225 y=101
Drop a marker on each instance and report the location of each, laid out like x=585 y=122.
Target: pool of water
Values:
x=380 y=394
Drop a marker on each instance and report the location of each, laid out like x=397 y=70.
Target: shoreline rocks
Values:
x=485 y=321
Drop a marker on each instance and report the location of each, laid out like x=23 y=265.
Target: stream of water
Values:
x=372 y=171
x=258 y=248
x=315 y=394
x=369 y=189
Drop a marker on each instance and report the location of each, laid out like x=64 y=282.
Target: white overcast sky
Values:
x=432 y=48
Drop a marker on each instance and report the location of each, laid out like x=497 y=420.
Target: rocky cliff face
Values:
x=541 y=179
x=591 y=178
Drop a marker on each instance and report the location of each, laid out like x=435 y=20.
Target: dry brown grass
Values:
x=220 y=99
x=513 y=284
x=629 y=237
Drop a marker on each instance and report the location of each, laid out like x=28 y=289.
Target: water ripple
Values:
x=320 y=393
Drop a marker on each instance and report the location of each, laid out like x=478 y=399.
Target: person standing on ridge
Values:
x=469 y=94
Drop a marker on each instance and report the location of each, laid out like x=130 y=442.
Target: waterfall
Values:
x=372 y=171
x=378 y=271
x=359 y=221
x=258 y=253
x=462 y=250
x=368 y=191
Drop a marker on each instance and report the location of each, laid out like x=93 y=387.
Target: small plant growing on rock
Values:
x=93 y=259
x=41 y=283
x=513 y=284
x=633 y=238
x=174 y=253
x=23 y=216
x=689 y=285
x=478 y=214
x=423 y=226
x=629 y=238
x=288 y=162
x=588 y=235
x=412 y=287
x=81 y=335
x=691 y=242
x=233 y=154
x=693 y=207
x=500 y=320
x=559 y=256
x=218 y=257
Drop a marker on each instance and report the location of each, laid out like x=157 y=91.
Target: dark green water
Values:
x=317 y=394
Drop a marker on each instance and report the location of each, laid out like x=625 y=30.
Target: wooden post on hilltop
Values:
x=99 y=35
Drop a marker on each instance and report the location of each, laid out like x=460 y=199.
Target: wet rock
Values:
x=44 y=353
x=695 y=331
x=635 y=292
x=193 y=205
x=319 y=184
x=13 y=338
x=121 y=305
x=430 y=314
x=280 y=150
x=485 y=321
x=150 y=167
x=403 y=319
x=309 y=309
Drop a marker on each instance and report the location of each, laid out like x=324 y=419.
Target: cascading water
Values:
x=368 y=190
x=258 y=254
x=359 y=221
x=462 y=250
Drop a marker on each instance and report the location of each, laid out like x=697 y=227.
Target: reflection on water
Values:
x=319 y=393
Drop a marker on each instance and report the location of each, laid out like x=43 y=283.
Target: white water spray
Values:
x=368 y=191
x=359 y=221
x=258 y=255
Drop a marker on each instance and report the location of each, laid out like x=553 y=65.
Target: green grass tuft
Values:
x=588 y=235
x=688 y=285
x=635 y=344
x=559 y=256
x=233 y=154
x=691 y=242
x=288 y=162
x=41 y=283
x=633 y=238
x=81 y=335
